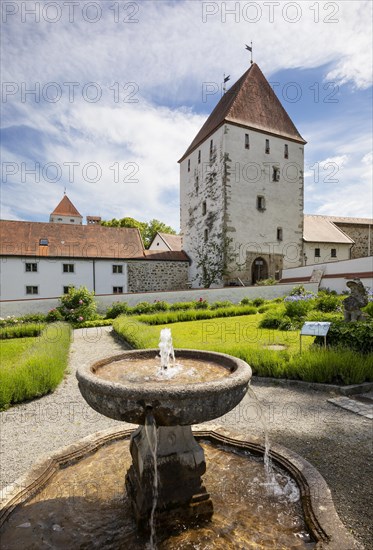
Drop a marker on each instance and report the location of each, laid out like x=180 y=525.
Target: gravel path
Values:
x=337 y=442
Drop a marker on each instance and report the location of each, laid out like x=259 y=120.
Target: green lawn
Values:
x=242 y=337
x=31 y=367
x=12 y=350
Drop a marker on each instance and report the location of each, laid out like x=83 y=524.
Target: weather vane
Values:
x=250 y=48
x=226 y=78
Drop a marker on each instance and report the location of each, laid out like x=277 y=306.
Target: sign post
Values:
x=314 y=329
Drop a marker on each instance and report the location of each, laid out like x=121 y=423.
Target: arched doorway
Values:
x=259 y=270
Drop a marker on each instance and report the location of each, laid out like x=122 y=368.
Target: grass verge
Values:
x=33 y=370
x=242 y=337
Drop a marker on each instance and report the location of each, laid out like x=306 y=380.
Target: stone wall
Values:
x=362 y=234
x=153 y=276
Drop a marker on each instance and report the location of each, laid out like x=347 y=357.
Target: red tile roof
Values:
x=174 y=242
x=77 y=241
x=65 y=208
x=174 y=255
x=252 y=103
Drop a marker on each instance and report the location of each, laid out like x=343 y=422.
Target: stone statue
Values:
x=356 y=300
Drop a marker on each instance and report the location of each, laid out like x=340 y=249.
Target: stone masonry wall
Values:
x=153 y=276
x=362 y=235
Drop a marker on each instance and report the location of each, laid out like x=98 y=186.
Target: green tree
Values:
x=147 y=230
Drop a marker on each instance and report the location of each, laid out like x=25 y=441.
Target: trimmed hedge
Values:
x=21 y=330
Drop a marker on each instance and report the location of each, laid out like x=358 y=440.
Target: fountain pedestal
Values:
x=182 y=498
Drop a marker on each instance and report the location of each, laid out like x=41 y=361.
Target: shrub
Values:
x=21 y=330
x=160 y=305
x=54 y=315
x=273 y=318
x=96 y=323
x=181 y=306
x=258 y=302
x=116 y=309
x=246 y=302
x=141 y=307
x=331 y=317
x=220 y=305
x=201 y=304
x=266 y=282
x=327 y=302
x=78 y=305
x=297 y=305
x=298 y=291
x=356 y=336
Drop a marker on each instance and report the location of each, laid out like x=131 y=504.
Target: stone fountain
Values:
x=163 y=446
x=75 y=498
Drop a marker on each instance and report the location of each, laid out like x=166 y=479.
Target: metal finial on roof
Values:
x=226 y=78
x=250 y=48
x=64 y=190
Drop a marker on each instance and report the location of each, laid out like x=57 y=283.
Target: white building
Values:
x=324 y=241
x=241 y=187
x=42 y=260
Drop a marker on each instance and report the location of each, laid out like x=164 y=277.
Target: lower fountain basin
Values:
x=170 y=404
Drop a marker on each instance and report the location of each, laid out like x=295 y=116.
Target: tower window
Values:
x=317 y=252
x=275 y=173
x=206 y=235
x=188 y=165
x=247 y=141
x=204 y=208
x=211 y=149
x=197 y=183
x=260 y=203
x=31 y=267
x=199 y=156
x=68 y=268
x=286 y=151
x=333 y=253
x=279 y=233
x=267 y=146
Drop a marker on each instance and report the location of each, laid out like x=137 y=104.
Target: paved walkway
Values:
x=336 y=441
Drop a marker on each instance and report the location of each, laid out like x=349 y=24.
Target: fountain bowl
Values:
x=170 y=405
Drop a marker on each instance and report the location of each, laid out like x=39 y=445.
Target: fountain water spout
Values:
x=166 y=349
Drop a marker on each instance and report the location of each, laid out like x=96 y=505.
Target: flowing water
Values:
x=152 y=437
x=85 y=506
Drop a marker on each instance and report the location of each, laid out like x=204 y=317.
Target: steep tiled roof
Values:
x=74 y=241
x=250 y=102
x=174 y=242
x=65 y=208
x=318 y=229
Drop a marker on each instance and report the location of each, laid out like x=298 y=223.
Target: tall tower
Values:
x=241 y=188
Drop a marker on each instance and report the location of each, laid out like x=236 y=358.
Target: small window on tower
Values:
x=211 y=149
x=279 y=233
x=260 y=203
x=333 y=253
x=206 y=235
x=267 y=146
x=317 y=252
x=197 y=183
x=247 y=141
x=275 y=173
x=204 y=208
x=199 y=156
x=188 y=165
x=286 y=151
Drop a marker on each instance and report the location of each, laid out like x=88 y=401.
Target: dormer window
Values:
x=267 y=147
x=247 y=141
x=286 y=151
x=43 y=242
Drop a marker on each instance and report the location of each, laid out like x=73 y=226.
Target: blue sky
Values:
x=120 y=92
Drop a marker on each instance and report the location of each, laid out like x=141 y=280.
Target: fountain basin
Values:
x=176 y=404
